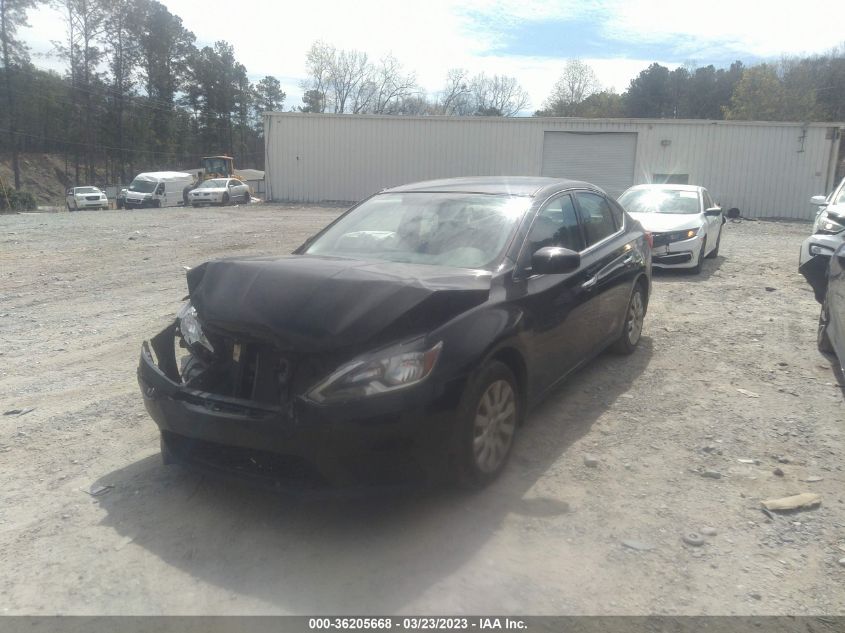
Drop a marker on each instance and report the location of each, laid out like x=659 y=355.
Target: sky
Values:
x=528 y=39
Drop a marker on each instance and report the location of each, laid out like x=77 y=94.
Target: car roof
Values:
x=495 y=185
x=667 y=186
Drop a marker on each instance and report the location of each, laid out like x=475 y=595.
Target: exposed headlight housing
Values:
x=818 y=249
x=191 y=328
x=382 y=373
x=826 y=224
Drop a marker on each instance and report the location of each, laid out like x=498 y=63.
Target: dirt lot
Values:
x=79 y=291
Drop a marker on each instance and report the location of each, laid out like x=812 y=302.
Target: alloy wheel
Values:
x=636 y=316
x=495 y=422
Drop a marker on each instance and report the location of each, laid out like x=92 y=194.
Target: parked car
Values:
x=685 y=223
x=822 y=262
x=220 y=191
x=406 y=340
x=86 y=198
x=157 y=189
x=831 y=216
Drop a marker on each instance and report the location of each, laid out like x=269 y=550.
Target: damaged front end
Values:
x=814 y=261
x=237 y=403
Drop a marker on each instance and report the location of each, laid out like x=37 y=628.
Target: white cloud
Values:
x=270 y=38
x=740 y=27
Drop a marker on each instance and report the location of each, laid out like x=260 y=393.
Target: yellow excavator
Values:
x=212 y=167
x=218 y=167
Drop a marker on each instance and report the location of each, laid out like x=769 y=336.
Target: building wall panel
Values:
x=757 y=167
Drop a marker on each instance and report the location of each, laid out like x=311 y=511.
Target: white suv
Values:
x=86 y=198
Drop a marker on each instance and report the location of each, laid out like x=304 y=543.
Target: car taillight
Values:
x=649 y=238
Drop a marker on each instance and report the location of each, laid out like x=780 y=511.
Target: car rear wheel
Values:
x=634 y=317
x=822 y=338
x=715 y=252
x=700 y=263
x=489 y=415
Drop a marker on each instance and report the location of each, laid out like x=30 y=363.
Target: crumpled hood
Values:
x=312 y=304
x=663 y=222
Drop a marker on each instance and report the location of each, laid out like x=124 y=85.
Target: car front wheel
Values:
x=715 y=252
x=700 y=263
x=489 y=415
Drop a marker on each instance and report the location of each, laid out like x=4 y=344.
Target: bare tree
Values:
x=350 y=70
x=576 y=83
x=391 y=85
x=456 y=96
x=320 y=61
x=498 y=95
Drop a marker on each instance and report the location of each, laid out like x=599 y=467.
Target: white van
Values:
x=157 y=189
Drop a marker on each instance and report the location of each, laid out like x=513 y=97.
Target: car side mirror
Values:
x=713 y=211
x=554 y=260
x=818 y=201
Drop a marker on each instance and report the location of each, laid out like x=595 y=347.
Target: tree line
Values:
x=139 y=93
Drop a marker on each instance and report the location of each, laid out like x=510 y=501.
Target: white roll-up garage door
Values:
x=605 y=159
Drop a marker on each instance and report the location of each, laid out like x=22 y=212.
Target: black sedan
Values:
x=406 y=340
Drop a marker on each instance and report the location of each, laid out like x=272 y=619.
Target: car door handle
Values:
x=592 y=281
x=628 y=259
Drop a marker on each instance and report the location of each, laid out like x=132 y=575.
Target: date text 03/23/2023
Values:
x=417 y=624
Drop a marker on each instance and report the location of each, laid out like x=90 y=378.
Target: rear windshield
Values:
x=660 y=201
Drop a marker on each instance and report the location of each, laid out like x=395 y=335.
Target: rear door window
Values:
x=596 y=216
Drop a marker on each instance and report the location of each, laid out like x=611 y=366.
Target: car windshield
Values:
x=87 y=190
x=443 y=229
x=214 y=183
x=142 y=186
x=660 y=201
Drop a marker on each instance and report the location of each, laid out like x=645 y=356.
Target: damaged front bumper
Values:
x=388 y=439
x=814 y=261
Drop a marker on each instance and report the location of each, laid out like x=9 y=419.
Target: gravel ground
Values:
x=727 y=373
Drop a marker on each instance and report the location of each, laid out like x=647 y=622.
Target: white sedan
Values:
x=86 y=198
x=220 y=191
x=685 y=223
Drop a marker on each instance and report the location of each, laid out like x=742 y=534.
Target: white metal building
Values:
x=767 y=170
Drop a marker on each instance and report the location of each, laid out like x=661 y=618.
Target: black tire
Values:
x=247 y=198
x=167 y=457
x=157 y=204
x=822 y=338
x=632 y=328
x=196 y=206
x=69 y=210
x=715 y=252
x=225 y=199
x=700 y=264
x=481 y=452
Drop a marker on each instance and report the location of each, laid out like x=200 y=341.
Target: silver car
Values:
x=220 y=191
